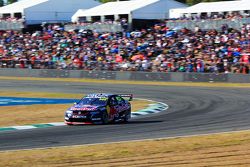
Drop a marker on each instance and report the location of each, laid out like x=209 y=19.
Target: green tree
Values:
x=1 y=3
x=11 y=1
x=193 y=2
x=182 y=1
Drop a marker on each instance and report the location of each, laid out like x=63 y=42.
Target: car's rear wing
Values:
x=129 y=97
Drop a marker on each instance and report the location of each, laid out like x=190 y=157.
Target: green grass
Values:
x=230 y=149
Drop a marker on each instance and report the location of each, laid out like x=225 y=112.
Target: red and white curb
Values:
x=152 y=109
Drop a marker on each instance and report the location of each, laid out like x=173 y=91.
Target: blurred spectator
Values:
x=155 y=49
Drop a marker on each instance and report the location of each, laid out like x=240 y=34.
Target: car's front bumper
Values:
x=83 y=121
x=78 y=123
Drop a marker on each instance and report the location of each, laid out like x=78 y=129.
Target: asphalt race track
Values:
x=193 y=110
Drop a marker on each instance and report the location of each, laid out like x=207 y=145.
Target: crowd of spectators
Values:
x=11 y=19
x=212 y=16
x=158 y=49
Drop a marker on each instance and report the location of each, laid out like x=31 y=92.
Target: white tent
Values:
x=19 y=6
x=222 y=6
x=136 y=9
x=38 y=11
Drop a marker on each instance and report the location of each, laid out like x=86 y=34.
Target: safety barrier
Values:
x=208 y=24
x=93 y=65
x=96 y=27
x=11 y=25
x=127 y=75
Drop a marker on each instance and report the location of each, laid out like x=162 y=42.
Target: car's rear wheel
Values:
x=105 y=118
x=126 y=117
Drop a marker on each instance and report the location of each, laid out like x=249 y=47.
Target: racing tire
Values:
x=126 y=118
x=105 y=118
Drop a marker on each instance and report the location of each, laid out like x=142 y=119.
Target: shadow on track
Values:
x=141 y=122
x=121 y=123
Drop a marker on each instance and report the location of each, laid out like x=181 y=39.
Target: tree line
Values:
x=3 y=2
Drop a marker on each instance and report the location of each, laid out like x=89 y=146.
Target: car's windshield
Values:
x=93 y=101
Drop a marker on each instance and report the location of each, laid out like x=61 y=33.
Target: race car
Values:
x=100 y=108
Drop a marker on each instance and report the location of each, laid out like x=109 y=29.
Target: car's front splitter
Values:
x=78 y=123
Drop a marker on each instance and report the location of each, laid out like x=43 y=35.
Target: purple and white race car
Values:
x=100 y=108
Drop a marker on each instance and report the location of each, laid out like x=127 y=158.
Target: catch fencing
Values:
x=127 y=75
x=96 y=27
x=11 y=25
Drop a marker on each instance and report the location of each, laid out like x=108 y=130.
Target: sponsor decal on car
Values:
x=82 y=109
x=122 y=108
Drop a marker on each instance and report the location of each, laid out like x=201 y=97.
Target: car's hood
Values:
x=78 y=107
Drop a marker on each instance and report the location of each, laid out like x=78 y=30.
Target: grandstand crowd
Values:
x=158 y=49
x=212 y=16
x=11 y=19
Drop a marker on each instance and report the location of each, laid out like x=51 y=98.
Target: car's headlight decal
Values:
x=69 y=113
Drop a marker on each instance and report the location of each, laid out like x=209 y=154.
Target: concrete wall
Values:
x=138 y=76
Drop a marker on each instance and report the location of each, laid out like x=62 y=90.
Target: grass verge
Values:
x=10 y=93
x=188 y=84
x=231 y=149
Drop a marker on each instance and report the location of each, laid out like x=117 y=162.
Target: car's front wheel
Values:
x=105 y=118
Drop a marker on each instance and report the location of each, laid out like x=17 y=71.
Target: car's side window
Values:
x=113 y=101
x=120 y=100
